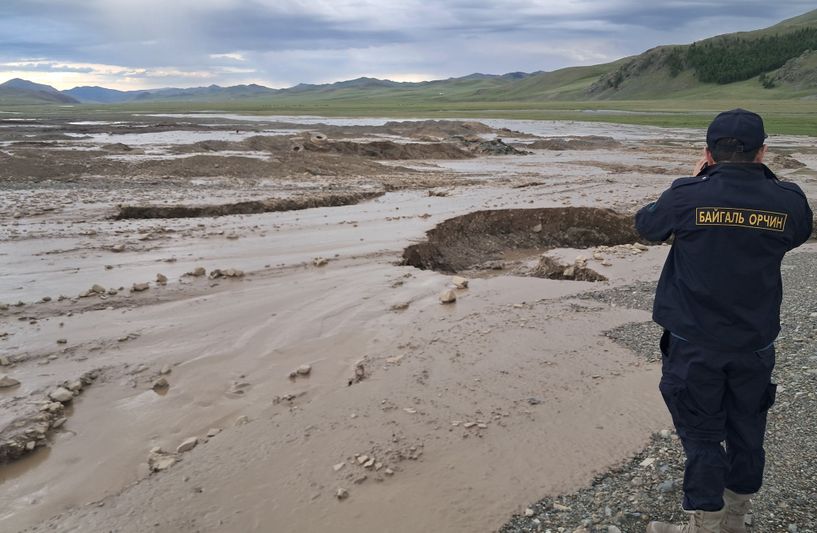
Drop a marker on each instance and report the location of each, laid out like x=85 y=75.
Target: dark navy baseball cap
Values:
x=740 y=124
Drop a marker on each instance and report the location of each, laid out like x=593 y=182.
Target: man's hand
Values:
x=702 y=163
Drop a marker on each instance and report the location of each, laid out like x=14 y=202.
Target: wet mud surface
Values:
x=248 y=350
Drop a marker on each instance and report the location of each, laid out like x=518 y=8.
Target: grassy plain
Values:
x=782 y=116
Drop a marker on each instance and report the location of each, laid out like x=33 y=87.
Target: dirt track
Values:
x=470 y=409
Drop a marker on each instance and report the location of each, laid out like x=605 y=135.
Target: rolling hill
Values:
x=19 y=92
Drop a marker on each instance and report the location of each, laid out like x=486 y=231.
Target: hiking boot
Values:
x=699 y=522
x=737 y=507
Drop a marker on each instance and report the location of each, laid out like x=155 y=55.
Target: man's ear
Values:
x=761 y=154
x=708 y=154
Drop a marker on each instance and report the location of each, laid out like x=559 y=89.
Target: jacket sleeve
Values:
x=806 y=228
x=656 y=221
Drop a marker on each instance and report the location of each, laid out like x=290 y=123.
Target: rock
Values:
x=118 y=248
x=61 y=395
x=537 y=228
x=460 y=282
x=187 y=445
x=161 y=279
x=561 y=508
x=342 y=494
x=448 y=297
x=338 y=467
x=226 y=273
x=140 y=287
x=4 y=361
x=320 y=261
x=362 y=459
x=666 y=486
x=7 y=382
x=388 y=472
x=401 y=306
x=529 y=512
x=97 y=289
x=212 y=432
x=75 y=386
x=165 y=370
x=242 y=420
x=197 y=272
x=369 y=463
x=62 y=341
x=58 y=423
x=160 y=384
x=665 y=434
x=161 y=461
x=304 y=370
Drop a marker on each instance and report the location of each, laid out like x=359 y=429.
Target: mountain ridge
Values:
x=777 y=61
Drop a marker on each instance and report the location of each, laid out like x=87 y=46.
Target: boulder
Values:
x=61 y=395
x=7 y=382
x=448 y=297
x=187 y=445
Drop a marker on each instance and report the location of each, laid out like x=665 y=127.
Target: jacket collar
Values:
x=746 y=171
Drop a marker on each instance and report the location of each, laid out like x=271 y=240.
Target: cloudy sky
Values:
x=134 y=44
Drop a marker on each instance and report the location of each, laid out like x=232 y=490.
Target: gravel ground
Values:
x=648 y=486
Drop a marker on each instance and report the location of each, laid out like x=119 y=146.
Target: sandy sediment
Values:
x=327 y=374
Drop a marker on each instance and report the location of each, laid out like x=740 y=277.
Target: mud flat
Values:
x=290 y=370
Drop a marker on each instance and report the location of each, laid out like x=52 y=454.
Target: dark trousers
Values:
x=718 y=398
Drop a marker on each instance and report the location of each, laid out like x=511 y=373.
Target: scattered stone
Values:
x=161 y=279
x=118 y=248
x=460 y=282
x=362 y=459
x=160 y=384
x=6 y=382
x=388 y=472
x=140 y=287
x=666 y=486
x=165 y=370
x=75 y=386
x=61 y=395
x=212 y=432
x=338 y=467
x=58 y=423
x=342 y=494
x=97 y=289
x=320 y=261
x=187 y=445
x=304 y=370
x=197 y=272
x=401 y=306
x=158 y=460
x=4 y=361
x=62 y=341
x=529 y=512
x=448 y=297
x=226 y=273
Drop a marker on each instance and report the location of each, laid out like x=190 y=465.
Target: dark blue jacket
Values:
x=721 y=287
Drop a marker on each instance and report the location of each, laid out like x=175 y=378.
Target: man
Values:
x=718 y=300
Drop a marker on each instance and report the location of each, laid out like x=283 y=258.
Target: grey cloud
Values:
x=312 y=44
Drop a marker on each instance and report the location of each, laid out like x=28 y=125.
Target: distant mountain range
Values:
x=776 y=62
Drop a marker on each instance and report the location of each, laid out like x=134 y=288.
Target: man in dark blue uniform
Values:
x=718 y=300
